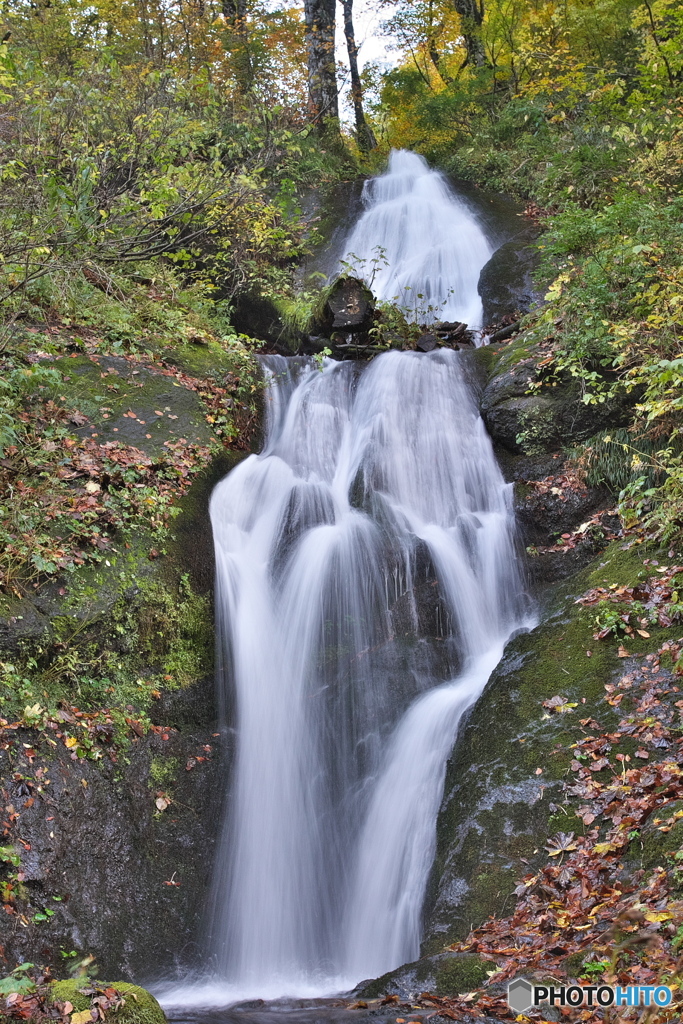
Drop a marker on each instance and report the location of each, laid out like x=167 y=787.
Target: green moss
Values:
x=69 y=992
x=652 y=848
x=488 y=893
x=140 y=1006
x=487 y=357
x=516 y=351
x=461 y=974
x=164 y=410
x=163 y=771
x=564 y=821
x=573 y=964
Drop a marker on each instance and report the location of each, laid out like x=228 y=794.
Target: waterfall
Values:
x=367 y=582
x=418 y=245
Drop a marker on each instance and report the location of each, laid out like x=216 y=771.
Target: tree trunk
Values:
x=322 y=69
x=471 y=17
x=235 y=14
x=364 y=133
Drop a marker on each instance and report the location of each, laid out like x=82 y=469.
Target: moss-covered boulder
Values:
x=446 y=974
x=138 y=1006
x=503 y=793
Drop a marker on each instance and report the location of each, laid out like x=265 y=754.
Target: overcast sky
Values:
x=372 y=44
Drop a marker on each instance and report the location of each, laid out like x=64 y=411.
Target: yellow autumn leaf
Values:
x=604 y=848
x=71 y=741
x=82 y=1017
x=654 y=916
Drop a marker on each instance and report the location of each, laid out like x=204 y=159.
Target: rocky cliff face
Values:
x=111 y=811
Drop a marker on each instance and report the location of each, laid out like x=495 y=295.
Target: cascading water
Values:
x=366 y=584
x=418 y=245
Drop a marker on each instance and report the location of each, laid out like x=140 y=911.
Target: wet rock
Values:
x=525 y=418
x=126 y=388
x=258 y=316
x=427 y=342
x=444 y=974
x=20 y=621
x=350 y=305
x=506 y=283
x=503 y=793
x=122 y=881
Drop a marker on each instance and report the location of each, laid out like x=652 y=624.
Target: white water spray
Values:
x=418 y=244
x=366 y=584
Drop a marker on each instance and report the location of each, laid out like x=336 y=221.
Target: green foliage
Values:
x=18 y=981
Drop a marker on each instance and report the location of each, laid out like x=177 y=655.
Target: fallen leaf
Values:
x=81 y=1017
x=563 y=842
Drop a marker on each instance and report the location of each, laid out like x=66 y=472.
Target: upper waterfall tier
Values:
x=418 y=245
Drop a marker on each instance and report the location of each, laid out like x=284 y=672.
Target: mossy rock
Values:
x=140 y=1005
x=503 y=793
x=108 y=388
x=447 y=974
x=533 y=421
x=460 y=974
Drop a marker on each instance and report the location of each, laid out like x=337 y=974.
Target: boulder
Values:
x=533 y=420
x=138 y=1005
x=350 y=306
x=506 y=282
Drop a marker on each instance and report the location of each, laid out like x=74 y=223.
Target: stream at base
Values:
x=298 y=1012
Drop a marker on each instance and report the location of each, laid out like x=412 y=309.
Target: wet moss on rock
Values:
x=503 y=793
x=461 y=974
x=140 y=1006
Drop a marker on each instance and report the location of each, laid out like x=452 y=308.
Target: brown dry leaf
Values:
x=563 y=842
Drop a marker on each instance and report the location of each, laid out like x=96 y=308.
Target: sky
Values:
x=367 y=22
x=372 y=44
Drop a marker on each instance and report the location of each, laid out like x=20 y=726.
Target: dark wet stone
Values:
x=506 y=283
x=350 y=305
